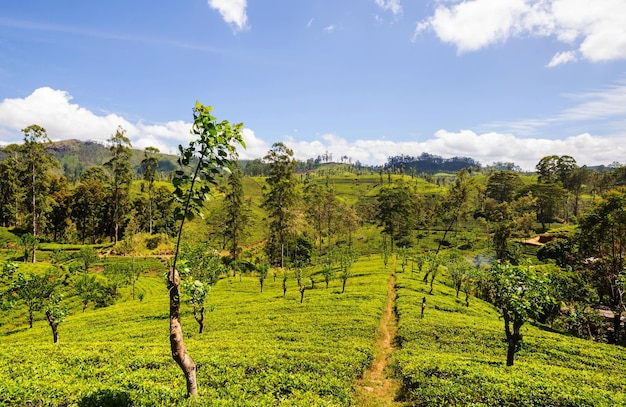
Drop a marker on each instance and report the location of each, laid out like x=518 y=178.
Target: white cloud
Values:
x=233 y=12
x=53 y=110
x=64 y=120
x=597 y=28
x=255 y=147
x=562 y=58
x=390 y=5
x=330 y=29
x=486 y=148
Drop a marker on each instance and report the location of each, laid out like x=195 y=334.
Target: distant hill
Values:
x=75 y=156
x=430 y=163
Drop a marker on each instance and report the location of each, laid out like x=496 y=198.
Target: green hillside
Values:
x=263 y=349
x=316 y=346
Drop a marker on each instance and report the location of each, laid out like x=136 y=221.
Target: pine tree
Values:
x=121 y=172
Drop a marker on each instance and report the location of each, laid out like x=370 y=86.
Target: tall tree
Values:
x=280 y=201
x=121 y=173
x=547 y=169
x=575 y=183
x=88 y=206
x=396 y=212
x=237 y=214
x=209 y=153
x=149 y=165
x=59 y=220
x=550 y=199
x=602 y=240
x=36 y=161
x=11 y=194
x=502 y=185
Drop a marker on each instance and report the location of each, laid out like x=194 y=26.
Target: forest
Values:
x=423 y=282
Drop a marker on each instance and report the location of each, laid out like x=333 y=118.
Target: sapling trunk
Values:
x=513 y=338
x=302 y=289
x=199 y=317
x=54 y=324
x=177 y=344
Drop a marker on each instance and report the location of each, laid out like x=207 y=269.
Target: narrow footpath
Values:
x=376 y=389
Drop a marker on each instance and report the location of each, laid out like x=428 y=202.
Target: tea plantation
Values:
x=266 y=349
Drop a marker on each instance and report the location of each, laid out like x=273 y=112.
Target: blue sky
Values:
x=496 y=80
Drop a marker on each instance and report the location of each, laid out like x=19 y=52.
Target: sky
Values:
x=495 y=80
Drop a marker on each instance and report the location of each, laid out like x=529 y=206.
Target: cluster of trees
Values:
x=430 y=163
x=97 y=207
x=302 y=219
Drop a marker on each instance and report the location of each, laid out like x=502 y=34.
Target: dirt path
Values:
x=376 y=389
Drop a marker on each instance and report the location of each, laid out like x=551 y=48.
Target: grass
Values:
x=456 y=355
x=257 y=349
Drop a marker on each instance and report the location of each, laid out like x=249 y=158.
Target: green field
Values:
x=269 y=349
x=455 y=355
x=263 y=349
x=257 y=349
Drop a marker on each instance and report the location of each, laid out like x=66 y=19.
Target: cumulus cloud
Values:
x=486 y=148
x=53 y=110
x=63 y=119
x=390 y=5
x=255 y=147
x=596 y=29
x=233 y=12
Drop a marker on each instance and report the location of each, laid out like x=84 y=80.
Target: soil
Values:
x=377 y=388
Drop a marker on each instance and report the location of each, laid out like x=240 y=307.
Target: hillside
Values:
x=74 y=156
x=263 y=349
x=309 y=345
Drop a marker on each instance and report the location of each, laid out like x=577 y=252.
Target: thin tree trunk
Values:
x=150 y=206
x=510 y=353
x=617 y=322
x=199 y=319
x=512 y=338
x=179 y=350
x=54 y=325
